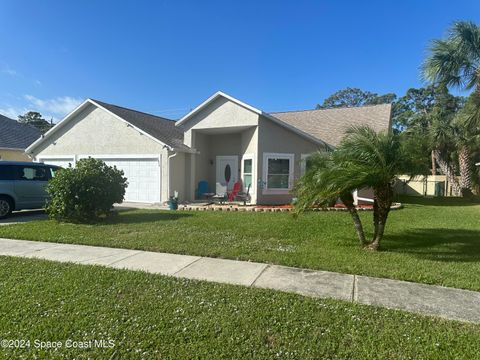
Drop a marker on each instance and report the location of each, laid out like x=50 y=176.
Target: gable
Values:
x=158 y=127
x=221 y=113
x=95 y=131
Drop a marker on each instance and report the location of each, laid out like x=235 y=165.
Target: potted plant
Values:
x=173 y=201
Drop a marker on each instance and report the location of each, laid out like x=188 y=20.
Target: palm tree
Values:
x=455 y=61
x=323 y=184
x=364 y=158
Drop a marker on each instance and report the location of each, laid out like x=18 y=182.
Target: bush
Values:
x=86 y=192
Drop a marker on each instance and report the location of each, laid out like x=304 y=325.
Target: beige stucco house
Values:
x=221 y=141
x=14 y=139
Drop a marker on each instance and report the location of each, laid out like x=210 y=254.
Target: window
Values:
x=304 y=164
x=53 y=170
x=247 y=172
x=6 y=172
x=32 y=173
x=278 y=172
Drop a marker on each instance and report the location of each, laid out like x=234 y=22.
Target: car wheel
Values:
x=6 y=207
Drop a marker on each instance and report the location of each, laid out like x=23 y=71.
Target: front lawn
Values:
x=434 y=241
x=151 y=316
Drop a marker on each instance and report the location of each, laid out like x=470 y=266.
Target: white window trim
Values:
x=266 y=157
x=249 y=157
x=303 y=163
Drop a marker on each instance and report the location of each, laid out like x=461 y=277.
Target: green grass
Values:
x=434 y=241
x=151 y=316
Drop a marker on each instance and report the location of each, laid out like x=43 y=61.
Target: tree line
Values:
x=432 y=128
x=442 y=126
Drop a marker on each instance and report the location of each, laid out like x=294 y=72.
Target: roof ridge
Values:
x=334 y=108
x=129 y=109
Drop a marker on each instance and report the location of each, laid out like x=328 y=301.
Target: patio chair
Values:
x=203 y=190
x=236 y=189
x=244 y=196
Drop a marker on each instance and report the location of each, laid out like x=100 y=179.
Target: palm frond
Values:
x=455 y=60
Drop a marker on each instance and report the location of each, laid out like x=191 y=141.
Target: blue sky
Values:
x=165 y=57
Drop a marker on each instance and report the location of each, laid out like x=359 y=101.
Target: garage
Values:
x=144 y=146
x=62 y=162
x=143 y=175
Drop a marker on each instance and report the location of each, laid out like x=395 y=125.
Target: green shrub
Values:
x=86 y=192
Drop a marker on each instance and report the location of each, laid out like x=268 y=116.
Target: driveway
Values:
x=24 y=216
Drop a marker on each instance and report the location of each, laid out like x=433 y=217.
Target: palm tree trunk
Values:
x=384 y=197
x=375 y=216
x=434 y=165
x=348 y=201
x=466 y=170
x=448 y=171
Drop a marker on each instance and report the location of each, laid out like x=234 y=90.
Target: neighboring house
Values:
x=15 y=138
x=221 y=139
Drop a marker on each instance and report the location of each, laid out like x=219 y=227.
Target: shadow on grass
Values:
x=138 y=217
x=437 y=201
x=449 y=245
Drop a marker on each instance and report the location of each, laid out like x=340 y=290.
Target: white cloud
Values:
x=12 y=112
x=56 y=107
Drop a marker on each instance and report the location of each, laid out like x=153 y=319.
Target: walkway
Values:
x=449 y=303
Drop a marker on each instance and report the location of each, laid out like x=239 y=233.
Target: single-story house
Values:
x=15 y=138
x=221 y=141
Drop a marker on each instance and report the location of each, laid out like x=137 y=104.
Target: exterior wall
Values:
x=273 y=138
x=211 y=146
x=178 y=178
x=250 y=147
x=14 y=155
x=220 y=114
x=243 y=139
x=201 y=160
x=261 y=136
x=96 y=132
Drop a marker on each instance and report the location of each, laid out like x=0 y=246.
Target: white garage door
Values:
x=63 y=162
x=143 y=176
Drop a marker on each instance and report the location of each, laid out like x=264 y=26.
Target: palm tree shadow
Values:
x=449 y=245
x=437 y=201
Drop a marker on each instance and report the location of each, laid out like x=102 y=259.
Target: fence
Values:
x=433 y=185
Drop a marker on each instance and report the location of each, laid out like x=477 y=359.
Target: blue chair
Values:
x=203 y=189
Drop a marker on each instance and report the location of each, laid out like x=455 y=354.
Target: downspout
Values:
x=169 y=148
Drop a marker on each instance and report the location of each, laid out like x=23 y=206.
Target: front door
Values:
x=226 y=173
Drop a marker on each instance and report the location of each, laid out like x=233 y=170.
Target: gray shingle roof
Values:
x=14 y=135
x=160 y=128
x=329 y=125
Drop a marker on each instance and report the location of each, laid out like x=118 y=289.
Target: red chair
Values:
x=236 y=189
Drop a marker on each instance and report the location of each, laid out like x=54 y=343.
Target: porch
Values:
x=225 y=156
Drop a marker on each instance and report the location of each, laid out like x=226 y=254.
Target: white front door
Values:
x=226 y=173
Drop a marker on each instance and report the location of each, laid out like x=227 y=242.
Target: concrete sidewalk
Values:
x=449 y=303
